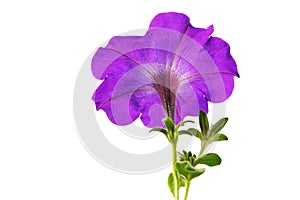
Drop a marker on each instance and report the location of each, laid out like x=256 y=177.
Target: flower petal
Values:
x=213 y=63
x=125 y=44
x=220 y=87
x=219 y=51
x=107 y=62
x=200 y=35
x=114 y=96
x=150 y=106
x=103 y=98
x=171 y=20
x=191 y=99
x=210 y=56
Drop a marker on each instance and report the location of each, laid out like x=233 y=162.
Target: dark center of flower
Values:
x=168 y=99
x=165 y=82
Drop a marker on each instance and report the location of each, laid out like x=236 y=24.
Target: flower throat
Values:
x=168 y=99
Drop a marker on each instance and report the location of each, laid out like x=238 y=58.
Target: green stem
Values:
x=188 y=183
x=175 y=174
x=203 y=147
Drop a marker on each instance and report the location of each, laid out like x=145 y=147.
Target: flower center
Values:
x=168 y=98
x=166 y=82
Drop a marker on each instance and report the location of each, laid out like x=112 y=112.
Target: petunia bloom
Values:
x=171 y=71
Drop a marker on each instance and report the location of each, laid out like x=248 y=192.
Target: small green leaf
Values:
x=187 y=170
x=211 y=159
x=169 y=124
x=171 y=182
x=185 y=132
x=186 y=121
x=164 y=131
x=203 y=121
x=194 y=132
x=219 y=137
x=182 y=123
x=218 y=126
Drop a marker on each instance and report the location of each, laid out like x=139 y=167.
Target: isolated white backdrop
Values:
x=42 y=47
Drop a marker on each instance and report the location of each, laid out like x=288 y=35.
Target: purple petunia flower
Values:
x=171 y=71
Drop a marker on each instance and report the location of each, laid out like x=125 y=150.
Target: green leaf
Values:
x=164 y=131
x=186 y=121
x=171 y=182
x=203 y=121
x=182 y=123
x=185 y=132
x=194 y=132
x=218 y=126
x=169 y=124
x=187 y=170
x=211 y=159
x=219 y=137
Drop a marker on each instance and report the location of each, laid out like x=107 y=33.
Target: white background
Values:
x=42 y=47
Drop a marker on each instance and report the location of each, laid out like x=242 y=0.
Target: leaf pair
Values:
x=204 y=125
x=169 y=132
x=172 y=131
x=206 y=133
